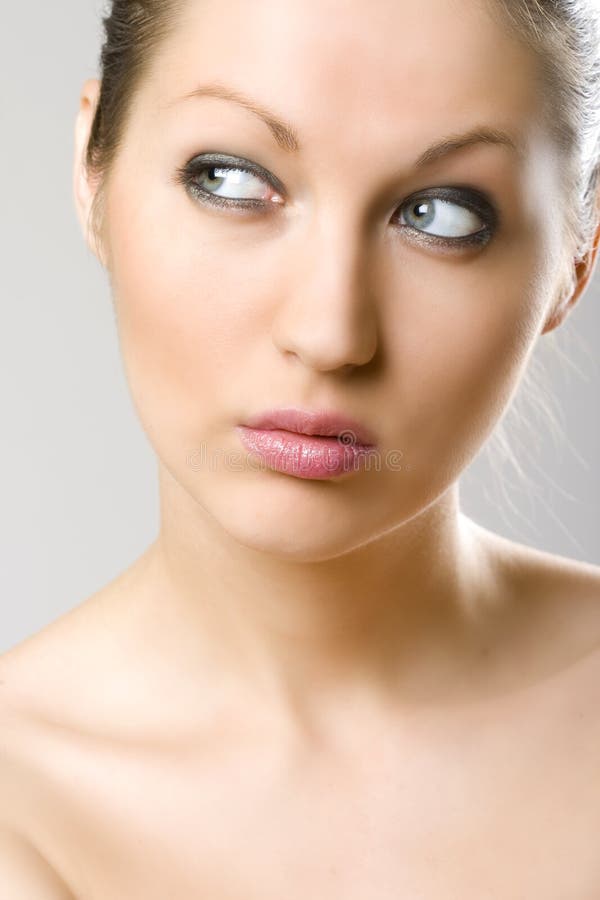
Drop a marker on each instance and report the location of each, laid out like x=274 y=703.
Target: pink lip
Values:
x=307 y=444
x=324 y=423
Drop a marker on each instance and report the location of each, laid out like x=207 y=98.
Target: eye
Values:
x=222 y=181
x=452 y=216
x=457 y=216
x=230 y=182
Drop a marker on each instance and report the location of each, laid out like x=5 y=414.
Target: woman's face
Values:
x=333 y=293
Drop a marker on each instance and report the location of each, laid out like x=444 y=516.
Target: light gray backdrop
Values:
x=79 y=496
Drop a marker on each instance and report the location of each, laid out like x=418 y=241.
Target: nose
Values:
x=327 y=317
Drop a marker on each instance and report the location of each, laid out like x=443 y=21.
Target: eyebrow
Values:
x=287 y=138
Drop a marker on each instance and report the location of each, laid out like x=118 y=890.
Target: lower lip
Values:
x=303 y=455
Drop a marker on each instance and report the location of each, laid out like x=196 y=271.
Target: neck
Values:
x=384 y=622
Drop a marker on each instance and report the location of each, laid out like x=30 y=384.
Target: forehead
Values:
x=337 y=68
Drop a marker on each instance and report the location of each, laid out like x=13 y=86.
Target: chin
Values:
x=296 y=519
x=287 y=541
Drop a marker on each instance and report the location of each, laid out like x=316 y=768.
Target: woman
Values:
x=322 y=679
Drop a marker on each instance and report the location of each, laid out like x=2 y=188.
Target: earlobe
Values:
x=582 y=272
x=567 y=298
x=84 y=188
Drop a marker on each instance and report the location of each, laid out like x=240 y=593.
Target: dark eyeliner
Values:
x=465 y=196
x=462 y=195
x=186 y=174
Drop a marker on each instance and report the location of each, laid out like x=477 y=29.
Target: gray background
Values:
x=79 y=481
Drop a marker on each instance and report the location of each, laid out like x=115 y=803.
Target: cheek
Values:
x=185 y=310
x=461 y=344
x=195 y=308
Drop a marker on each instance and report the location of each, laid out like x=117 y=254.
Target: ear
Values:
x=583 y=270
x=83 y=188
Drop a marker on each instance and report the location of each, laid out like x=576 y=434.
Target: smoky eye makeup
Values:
x=447 y=209
x=214 y=165
x=436 y=204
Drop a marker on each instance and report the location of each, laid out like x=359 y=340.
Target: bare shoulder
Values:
x=48 y=683
x=76 y=668
x=42 y=703
x=538 y=567
x=538 y=572
x=25 y=873
x=554 y=603
x=39 y=670
x=24 y=869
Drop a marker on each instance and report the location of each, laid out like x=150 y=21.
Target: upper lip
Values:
x=315 y=422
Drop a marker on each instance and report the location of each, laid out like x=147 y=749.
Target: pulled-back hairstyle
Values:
x=563 y=34
x=133 y=32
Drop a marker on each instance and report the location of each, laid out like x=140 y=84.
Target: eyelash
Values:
x=464 y=196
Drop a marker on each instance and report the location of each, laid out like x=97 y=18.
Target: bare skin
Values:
x=133 y=781
x=340 y=689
